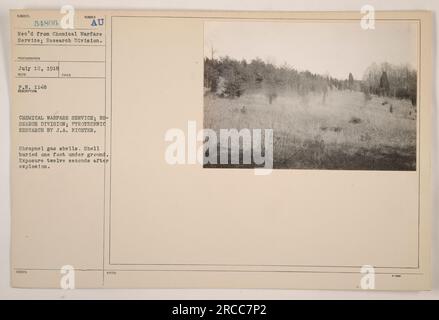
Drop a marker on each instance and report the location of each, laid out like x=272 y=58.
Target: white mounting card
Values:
x=179 y=149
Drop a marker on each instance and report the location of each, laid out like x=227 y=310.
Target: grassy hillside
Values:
x=347 y=131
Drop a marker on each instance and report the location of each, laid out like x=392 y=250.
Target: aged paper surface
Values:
x=94 y=107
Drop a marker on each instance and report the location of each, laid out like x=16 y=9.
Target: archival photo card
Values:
x=211 y=149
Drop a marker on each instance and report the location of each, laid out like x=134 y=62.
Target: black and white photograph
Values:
x=335 y=95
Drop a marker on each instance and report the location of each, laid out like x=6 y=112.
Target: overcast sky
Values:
x=334 y=48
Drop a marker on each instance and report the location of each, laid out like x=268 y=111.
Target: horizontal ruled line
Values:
x=60 y=77
x=59 y=45
x=57 y=61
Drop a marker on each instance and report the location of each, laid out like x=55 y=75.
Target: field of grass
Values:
x=348 y=131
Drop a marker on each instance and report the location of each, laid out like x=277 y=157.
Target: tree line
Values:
x=227 y=77
x=386 y=79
